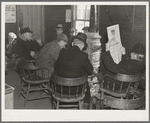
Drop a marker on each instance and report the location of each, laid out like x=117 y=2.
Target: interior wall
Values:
x=55 y=14
x=32 y=16
x=10 y=27
x=42 y=20
x=131 y=20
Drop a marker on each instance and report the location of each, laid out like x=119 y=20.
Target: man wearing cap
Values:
x=73 y=62
x=59 y=30
x=49 y=53
x=131 y=66
x=27 y=45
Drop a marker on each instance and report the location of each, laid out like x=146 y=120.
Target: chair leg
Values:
x=52 y=103
x=57 y=105
x=91 y=102
x=81 y=104
x=97 y=105
x=101 y=100
x=21 y=86
x=26 y=98
x=91 y=106
x=50 y=96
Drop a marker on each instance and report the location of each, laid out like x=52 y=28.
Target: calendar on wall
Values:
x=10 y=14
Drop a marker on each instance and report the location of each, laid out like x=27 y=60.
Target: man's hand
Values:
x=39 y=42
x=32 y=53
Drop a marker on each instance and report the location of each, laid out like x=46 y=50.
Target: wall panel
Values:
x=32 y=16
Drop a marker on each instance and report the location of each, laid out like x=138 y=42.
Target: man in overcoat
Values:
x=131 y=66
x=26 y=45
x=50 y=52
x=73 y=62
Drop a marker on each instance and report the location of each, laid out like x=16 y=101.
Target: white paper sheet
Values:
x=114 y=44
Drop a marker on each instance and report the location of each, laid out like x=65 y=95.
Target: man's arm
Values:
x=88 y=66
x=35 y=46
x=112 y=66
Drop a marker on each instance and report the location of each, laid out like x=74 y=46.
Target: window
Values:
x=81 y=17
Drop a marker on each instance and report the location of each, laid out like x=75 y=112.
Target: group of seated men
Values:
x=72 y=62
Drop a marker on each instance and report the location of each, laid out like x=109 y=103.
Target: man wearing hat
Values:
x=27 y=46
x=73 y=62
x=49 y=53
x=59 y=30
x=131 y=66
x=11 y=44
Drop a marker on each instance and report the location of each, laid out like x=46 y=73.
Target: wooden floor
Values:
x=13 y=79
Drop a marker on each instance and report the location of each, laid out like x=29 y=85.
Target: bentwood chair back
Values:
x=68 y=92
x=121 y=92
x=33 y=81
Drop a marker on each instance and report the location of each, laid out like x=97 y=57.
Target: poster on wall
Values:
x=10 y=14
x=68 y=15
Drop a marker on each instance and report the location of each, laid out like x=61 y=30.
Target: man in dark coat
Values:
x=73 y=62
x=131 y=66
x=27 y=45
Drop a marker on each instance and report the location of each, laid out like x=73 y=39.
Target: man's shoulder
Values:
x=20 y=41
x=83 y=54
x=52 y=43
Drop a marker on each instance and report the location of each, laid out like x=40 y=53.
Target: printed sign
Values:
x=68 y=15
x=10 y=14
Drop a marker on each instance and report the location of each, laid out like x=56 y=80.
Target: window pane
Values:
x=87 y=24
x=80 y=14
x=83 y=12
x=87 y=14
x=79 y=25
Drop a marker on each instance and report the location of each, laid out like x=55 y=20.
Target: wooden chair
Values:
x=121 y=92
x=30 y=61
x=32 y=80
x=68 y=92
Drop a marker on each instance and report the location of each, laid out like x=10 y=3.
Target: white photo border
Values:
x=75 y=115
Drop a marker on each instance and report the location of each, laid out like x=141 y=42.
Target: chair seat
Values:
x=114 y=93
x=68 y=92
x=31 y=82
x=126 y=104
x=118 y=103
x=65 y=98
x=35 y=81
x=121 y=92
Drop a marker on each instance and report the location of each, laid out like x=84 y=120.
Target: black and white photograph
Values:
x=61 y=61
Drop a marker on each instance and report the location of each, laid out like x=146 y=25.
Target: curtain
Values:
x=31 y=16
